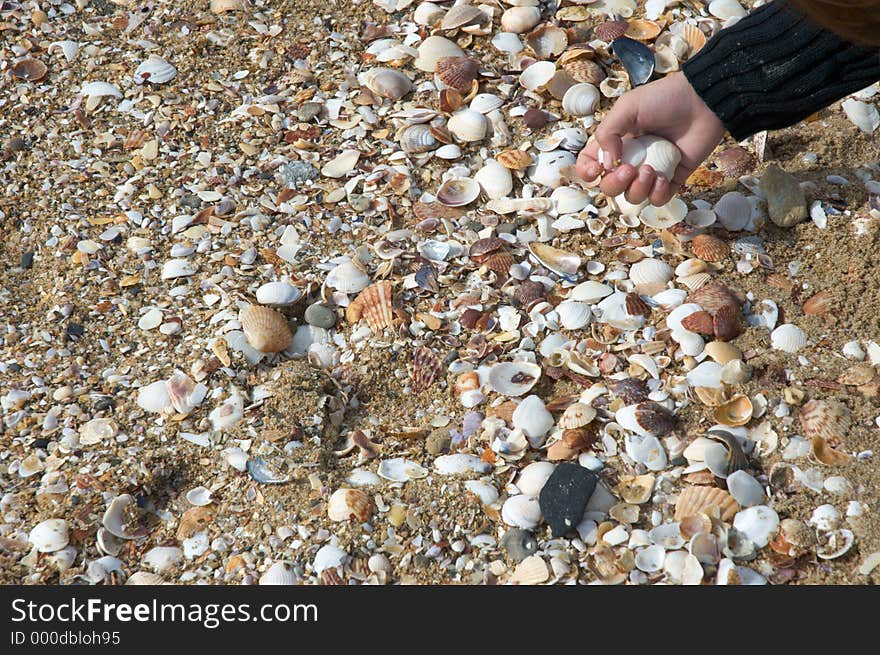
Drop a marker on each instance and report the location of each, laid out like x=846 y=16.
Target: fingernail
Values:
x=607 y=162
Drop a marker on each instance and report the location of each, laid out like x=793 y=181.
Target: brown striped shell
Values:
x=828 y=419
x=457 y=72
x=631 y=390
x=426 y=367
x=699 y=322
x=374 y=305
x=265 y=329
x=709 y=248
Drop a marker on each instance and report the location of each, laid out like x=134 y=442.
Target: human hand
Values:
x=669 y=108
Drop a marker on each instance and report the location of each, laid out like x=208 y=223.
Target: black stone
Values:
x=40 y=443
x=104 y=403
x=75 y=330
x=565 y=495
x=27 y=260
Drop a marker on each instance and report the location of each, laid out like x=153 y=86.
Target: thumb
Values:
x=619 y=122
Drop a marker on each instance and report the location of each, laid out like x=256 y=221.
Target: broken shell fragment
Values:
x=513 y=379
x=375 y=305
x=735 y=412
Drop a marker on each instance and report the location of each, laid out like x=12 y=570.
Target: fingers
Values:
x=587 y=165
x=663 y=191
x=618 y=181
x=620 y=121
x=642 y=185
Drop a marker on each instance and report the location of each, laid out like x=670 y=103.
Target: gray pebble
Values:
x=505 y=228
x=295 y=172
x=309 y=110
x=320 y=315
x=519 y=544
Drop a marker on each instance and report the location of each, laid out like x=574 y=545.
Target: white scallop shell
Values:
x=468 y=125
x=348 y=278
x=533 y=478
x=650 y=271
x=538 y=75
x=329 y=557
x=547 y=168
x=580 y=99
x=278 y=294
x=49 y=536
x=862 y=114
x=662 y=155
x=726 y=9
x=788 y=337
x=502 y=375
x=521 y=512
x=154 y=70
x=573 y=314
x=495 y=180
x=280 y=573
x=733 y=211
x=434 y=48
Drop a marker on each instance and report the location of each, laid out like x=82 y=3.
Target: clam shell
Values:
x=521 y=511
x=428 y=13
x=468 y=125
x=457 y=16
x=646 y=418
x=835 y=543
x=145 y=577
x=733 y=211
x=280 y=573
x=154 y=70
x=577 y=416
x=507 y=42
x=426 y=367
x=278 y=294
x=559 y=261
x=163 y=559
x=495 y=179
x=341 y=164
x=573 y=315
x=650 y=273
x=828 y=419
x=458 y=191
x=818 y=304
x=265 y=329
x=458 y=73
x=642 y=29
x=590 y=291
x=724 y=457
x=547 y=41
x=30 y=70
x=486 y=102
x=736 y=161
x=788 y=338
x=538 y=75
x=513 y=379
x=636 y=489
x=515 y=160
x=375 y=305
x=432 y=49
x=663 y=217
x=100 y=89
x=49 y=536
x=699 y=500
x=416 y=139
x=533 y=477
x=631 y=391
x=758 y=524
x=662 y=155
x=861 y=114
x=400 y=470
x=520 y=19
x=735 y=412
x=387 y=83
x=580 y=99
x=114 y=520
x=348 y=278
x=548 y=167
x=345 y=504
x=726 y=9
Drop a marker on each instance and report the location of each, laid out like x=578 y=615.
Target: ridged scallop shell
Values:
x=495 y=179
x=426 y=367
x=347 y=277
x=699 y=322
x=577 y=416
x=733 y=211
x=650 y=272
x=585 y=70
x=580 y=99
x=726 y=322
x=154 y=70
x=468 y=125
x=700 y=500
x=610 y=30
x=387 y=83
x=461 y=15
x=788 y=338
x=432 y=49
x=347 y=504
x=709 y=248
x=515 y=160
x=828 y=419
x=713 y=296
x=458 y=191
x=819 y=303
x=375 y=305
x=694 y=37
x=265 y=329
x=573 y=315
x=695 y=281
x=631 y=390
x=280 y=573
x=513 y=379
x=458 y=73
x=547 y=41
x=735 y=412
x=662 y=155
x=416 y=139
x=531 y=571
x=736 y=162
x=520 y=19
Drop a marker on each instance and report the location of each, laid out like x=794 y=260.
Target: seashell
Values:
x=449 y=151
x=650 y=559
x=175 y=268
x=426 y=367
x=726 y=322
x=827 y=419
x=665 y=59
x=329 y=557
x=49 y=536
x=577 y=416
x=507 y=42
x=646 y=419
x=432 y=49
x=636 y=489
x=100 y=89
x=163 y=558
x=834 y=543
x=819 y=304
x=114 y=520
x=416 y=139
x=459 y=16
x=345 y=504
x=533 y=477
x=610 y=30
x=700 y=217
x=631 y=391
x=468 y=125
x=520 y=205
x=513 y=379
x=590 y=291
x=342 y=164
x=650 y=273
x=154 y=397
x=547 y=41
x=538 y=75
x=662 y=155
x=693 y=501
x=559 y=261
x=789 y=338
x=699 y=322
x=280 y=573
x=375 y=305
x=747 y=491
x=515 y=160
x=724 y=457
x=694 y=282
x=709 y=248
x=145 y=577
x=580 y=99
x=266 y=329
x=30 y=70
x=278 y=294
x=495 y=180
x=694 y=37
x=98 y=430
x=794 y=539
x=758 y=524
x=154 y=70
x=735 y=372
x=714 y=296
x=458 y=73
x=400 y=470
x=577 y=439
x=726 y=9
x=520 y=19
x=348 y=278
x=222 y=6
x=531 y=571
x=736 y=162
x=427 y=14
x=573 y=315
x=642 y=30
x=861 y=114
x=636 y=57
x=387 y=83
x=521 y=511
x=663 y=217
x=199 y=496
x=486 y=102
x=548 y=167
x=706 y=374
x=733 y=211
x=646 y=450
x=458 y=191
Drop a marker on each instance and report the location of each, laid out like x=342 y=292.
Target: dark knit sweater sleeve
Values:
x=774 y=68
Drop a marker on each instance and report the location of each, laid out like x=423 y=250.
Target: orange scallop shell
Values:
x=709 y=248
x=698 y=500
x=266 y=329
x=374 y=305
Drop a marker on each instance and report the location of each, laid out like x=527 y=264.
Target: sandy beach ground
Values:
x=141 y=215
